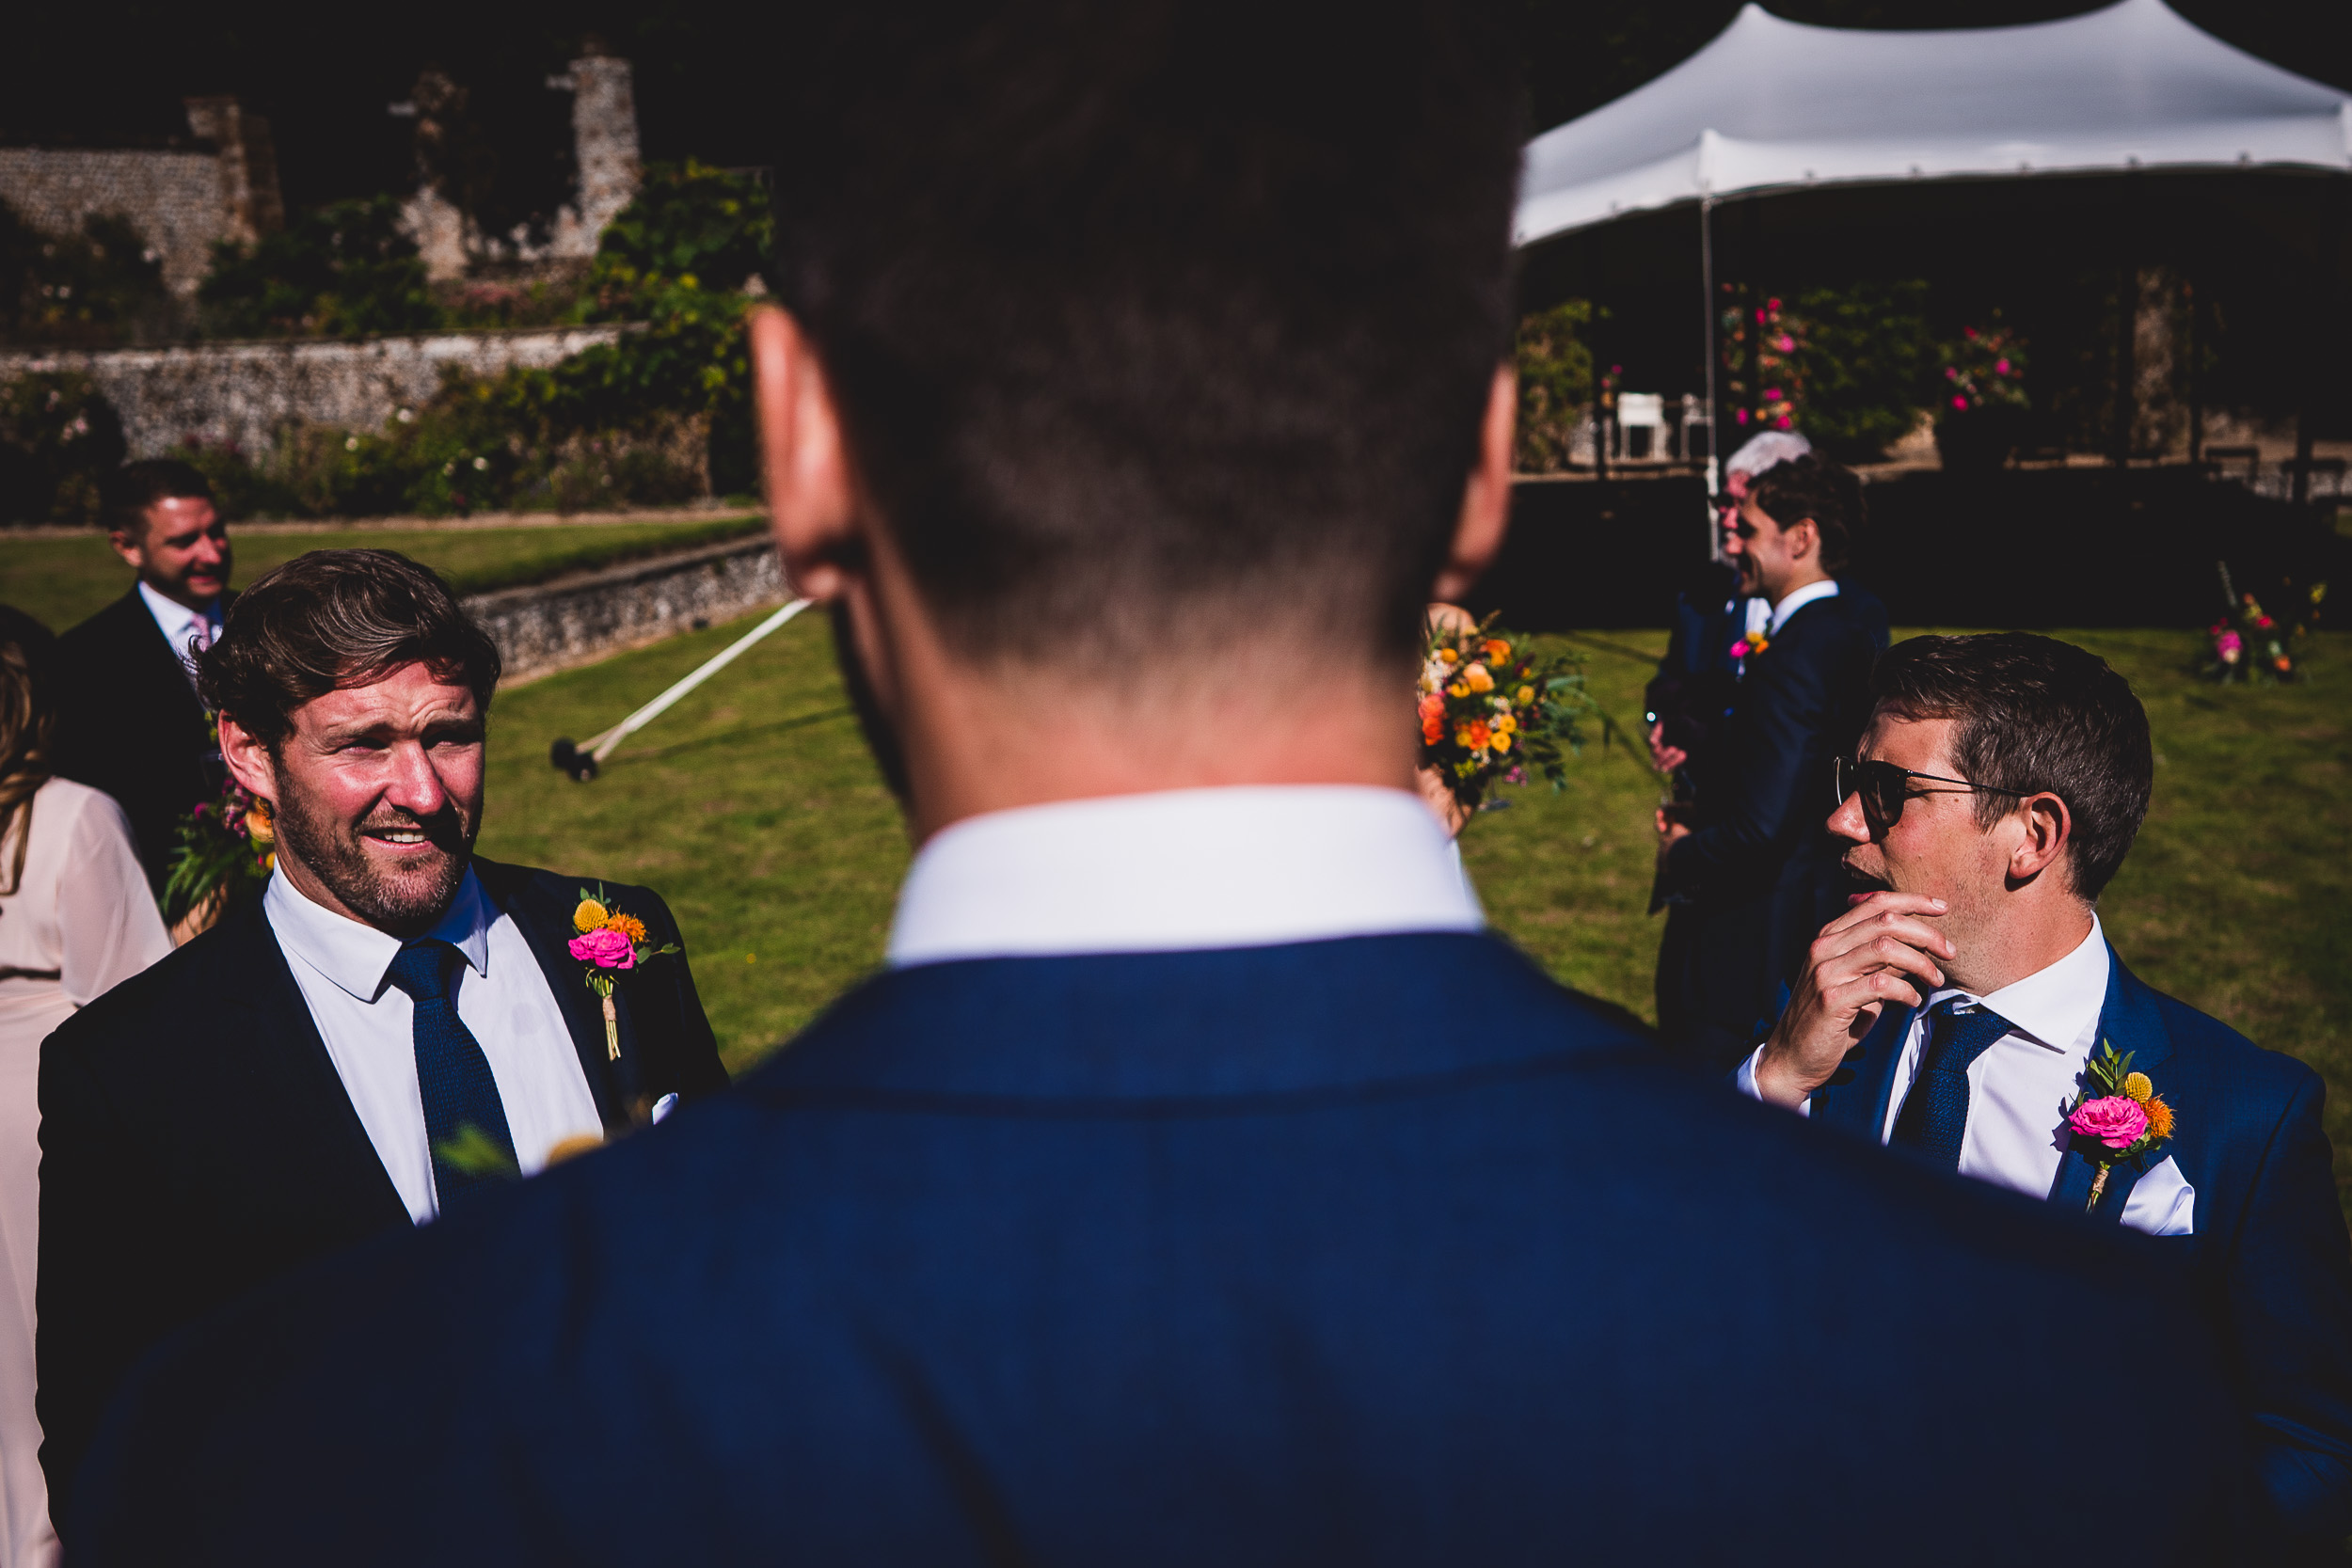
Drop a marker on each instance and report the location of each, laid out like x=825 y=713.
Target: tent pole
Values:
x=1706 y=320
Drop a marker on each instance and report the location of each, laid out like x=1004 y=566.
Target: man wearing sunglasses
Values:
x=1955 y=1013
x=1743 y=869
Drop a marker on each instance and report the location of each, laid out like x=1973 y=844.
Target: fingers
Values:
x=1880 y=904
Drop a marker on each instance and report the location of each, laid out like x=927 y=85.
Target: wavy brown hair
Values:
x=26 y=763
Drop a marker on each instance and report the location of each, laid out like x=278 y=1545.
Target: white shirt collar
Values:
x=1825 y=589
x=2056 y=1007
x=355 y=957
x=175 y=619
x=1246 y=866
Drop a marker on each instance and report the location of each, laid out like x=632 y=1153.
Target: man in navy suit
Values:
x=1954 y=1014
x=1747 y=875
x=1199 y=1183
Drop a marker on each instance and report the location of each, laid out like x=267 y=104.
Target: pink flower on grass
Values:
x=2117 y=1121
x=605 y=949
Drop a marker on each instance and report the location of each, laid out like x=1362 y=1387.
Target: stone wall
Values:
x=554 y=626
x=182 y=202
x=244 y=393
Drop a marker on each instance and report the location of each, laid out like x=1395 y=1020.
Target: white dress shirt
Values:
x=1770 y=619
x=181 y=625
x=2020 y=1088
x=368 y=1025
x=1246 y=866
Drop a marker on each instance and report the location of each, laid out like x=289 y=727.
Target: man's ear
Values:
x=811 y=500
x=249 y=760
x=1486 y=496
x=1802 y=539
x=132 y=549
x=2049 y=826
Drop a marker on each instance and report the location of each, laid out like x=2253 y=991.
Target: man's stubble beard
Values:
x=332 y=852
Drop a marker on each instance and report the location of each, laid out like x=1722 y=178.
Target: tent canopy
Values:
x=1775 y=104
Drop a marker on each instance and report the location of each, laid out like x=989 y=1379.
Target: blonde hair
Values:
x=24 y=761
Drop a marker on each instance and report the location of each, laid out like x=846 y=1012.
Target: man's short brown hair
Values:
x=1807 y=487
x=2033 y=714
x=335 y=619
x=130 y=490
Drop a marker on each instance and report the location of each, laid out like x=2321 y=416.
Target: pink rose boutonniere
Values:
x=2122 y=1120
x=609 y=940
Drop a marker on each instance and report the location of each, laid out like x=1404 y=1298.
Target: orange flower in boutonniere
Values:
x=608 y=940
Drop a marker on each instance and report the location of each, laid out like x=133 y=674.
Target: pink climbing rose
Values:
x=606 y=949
x=2116 y=1121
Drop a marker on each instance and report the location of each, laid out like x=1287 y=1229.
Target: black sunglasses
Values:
x=1885 y=787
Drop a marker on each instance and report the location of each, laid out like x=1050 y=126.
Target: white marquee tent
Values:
x=1774 y=105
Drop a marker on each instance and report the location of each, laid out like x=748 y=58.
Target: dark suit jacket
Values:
x=1758 y=874
x=2270 y=1256
x=1380 y=1250
x=195 y=1140
x=129 y=723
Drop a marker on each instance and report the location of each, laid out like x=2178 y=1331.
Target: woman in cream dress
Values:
x=75 y=919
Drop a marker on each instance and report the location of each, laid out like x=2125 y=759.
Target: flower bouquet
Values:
x=1490 y=710
x=2245 y=643
x=226 y=849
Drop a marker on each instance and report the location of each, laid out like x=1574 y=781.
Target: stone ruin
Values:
x=222 y=185
x=605 y=153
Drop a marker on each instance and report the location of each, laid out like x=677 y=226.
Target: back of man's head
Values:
x=129 y=491
x=2031 y=714
x=1159 y=325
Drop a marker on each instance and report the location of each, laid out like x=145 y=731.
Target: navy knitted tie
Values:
x=452 y=1073
x=1935 y=1112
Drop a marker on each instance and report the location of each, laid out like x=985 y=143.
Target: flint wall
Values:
x=242 y=394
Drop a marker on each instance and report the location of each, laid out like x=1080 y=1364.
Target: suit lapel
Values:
x=545 y=922
x=1859 y=1102
x=2130 y=1021
x=293 y=1096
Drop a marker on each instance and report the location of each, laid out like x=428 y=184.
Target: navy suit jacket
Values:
x=1758 y=874
x=2270 y=1259
x=1375 y=1250
x=197 y=1140
x=129 y=723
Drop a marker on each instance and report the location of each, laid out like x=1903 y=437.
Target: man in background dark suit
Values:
x=129 y=721
x=1200 y=1183
x=1749 y=874
x=270 y=1092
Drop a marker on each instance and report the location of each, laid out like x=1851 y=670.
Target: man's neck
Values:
x=180 y=596
x=2021 y=943
x=1802 y=579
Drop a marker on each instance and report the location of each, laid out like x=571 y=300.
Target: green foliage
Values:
x=342 y=270
x=690 y=221
x=1983 y=370
x=1867 y=363
x=1555 y=369
x=58 y=440
x=88 y=290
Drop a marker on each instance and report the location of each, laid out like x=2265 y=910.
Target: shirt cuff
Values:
x=1747 y=1083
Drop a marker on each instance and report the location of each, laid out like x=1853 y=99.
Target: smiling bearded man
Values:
x=291 y=1081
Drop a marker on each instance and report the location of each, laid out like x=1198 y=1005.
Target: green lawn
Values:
x=751 y=806
x=63 y=581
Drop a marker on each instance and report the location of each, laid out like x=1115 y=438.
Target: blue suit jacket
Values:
x=1758 y=874
x=2270 y=1258
x=1379 y=1250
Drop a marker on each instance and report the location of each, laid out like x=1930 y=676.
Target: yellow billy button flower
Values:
x=589 y=916
x=2136 y=1085
x=1525 y=694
